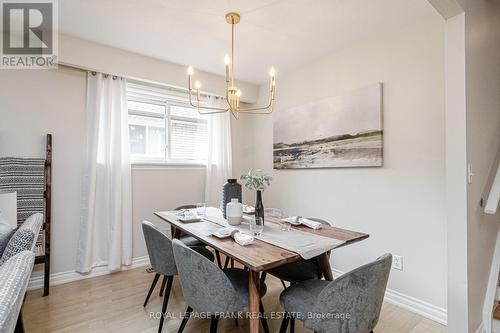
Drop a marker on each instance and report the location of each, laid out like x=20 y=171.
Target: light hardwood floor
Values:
x=113 y=303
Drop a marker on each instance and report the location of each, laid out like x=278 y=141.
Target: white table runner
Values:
x=306 y=244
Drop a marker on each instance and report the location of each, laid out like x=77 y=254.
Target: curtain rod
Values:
x=139 y=80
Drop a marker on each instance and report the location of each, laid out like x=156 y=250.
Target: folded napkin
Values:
x=301 y=220
x=243 y=239
x=248 y=209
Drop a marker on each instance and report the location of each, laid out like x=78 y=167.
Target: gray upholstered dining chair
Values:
x=350 y=304
x=301 y=270
x=190 y=240
x=160 y=253
x=186 y=239
x=211 y=290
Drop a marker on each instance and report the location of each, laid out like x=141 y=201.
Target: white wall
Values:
x=103 y=58
x=456 y=175
x=36 y=102
x=482 y=36
x=32 y=104
x=157 y=189
x=402 y=205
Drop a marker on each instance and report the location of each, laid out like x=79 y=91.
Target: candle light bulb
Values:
x=190 y=70
x=197 y=84
x=227 y=60
x=272 y=72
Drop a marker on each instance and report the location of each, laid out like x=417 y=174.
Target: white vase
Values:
x=234 y=212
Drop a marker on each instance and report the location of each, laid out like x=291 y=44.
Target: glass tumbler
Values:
x=256 y=226
x=201 y=209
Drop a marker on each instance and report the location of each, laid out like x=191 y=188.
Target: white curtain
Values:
x=106 y=213
x=220 y=161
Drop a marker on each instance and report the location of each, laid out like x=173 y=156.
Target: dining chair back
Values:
x=159 y=248
x=205 y=286
x=211 y=290
x=162 y=260
x=352 y=303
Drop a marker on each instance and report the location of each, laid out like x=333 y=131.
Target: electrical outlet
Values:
x=397 y=262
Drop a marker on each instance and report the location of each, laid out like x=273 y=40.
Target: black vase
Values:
x=259 y=207
x=230 y=190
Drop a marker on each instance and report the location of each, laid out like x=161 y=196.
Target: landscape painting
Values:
x=340 y=131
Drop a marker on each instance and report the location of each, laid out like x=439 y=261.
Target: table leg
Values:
x=253 y=300
x=177 y=233
x=324 y=261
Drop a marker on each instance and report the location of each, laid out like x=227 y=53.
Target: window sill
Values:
x=166 y=165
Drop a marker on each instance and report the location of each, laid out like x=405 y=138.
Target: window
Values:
x=163 y=127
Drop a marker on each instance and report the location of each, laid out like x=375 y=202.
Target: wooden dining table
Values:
x=259 y=256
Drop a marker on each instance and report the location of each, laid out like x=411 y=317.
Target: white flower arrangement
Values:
x=258 y=181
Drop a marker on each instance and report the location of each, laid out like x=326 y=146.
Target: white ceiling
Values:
x=283 y=33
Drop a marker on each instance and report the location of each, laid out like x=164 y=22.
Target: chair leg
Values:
x=284 y=323
x=168 y=289
x=263 y=277
x=157 y=276
x=263 y=318
x=283 y=283
x=219 y=262
x=185 y=319
x=292 y=325
x=226 y=263
x=213 y=324
x=19 y=324
x=232 y=263
x=163 y=285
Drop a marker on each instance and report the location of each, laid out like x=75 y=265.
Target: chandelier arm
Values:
x=191 y=100
x=213 y=112
x=212 y=108
x=233 y=111
x=197 y=106
x=257 y=112
x=252 y=110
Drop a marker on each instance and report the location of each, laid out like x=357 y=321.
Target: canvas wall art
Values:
x=340 y=131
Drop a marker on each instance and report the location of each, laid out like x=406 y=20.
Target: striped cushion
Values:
x=14 y=277
x=26 y=176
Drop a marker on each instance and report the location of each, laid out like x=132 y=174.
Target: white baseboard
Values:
x=412 y=304
x=36 y=280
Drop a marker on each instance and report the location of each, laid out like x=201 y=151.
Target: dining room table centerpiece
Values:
x=257 y=181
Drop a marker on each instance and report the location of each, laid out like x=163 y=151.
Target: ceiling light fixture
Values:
x=233 y=94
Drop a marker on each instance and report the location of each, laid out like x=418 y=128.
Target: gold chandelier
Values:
x=233 y=94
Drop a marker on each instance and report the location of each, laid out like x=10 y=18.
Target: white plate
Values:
x=189 y=219
x=218 y=233
x=292 y=221
x=248 y=209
